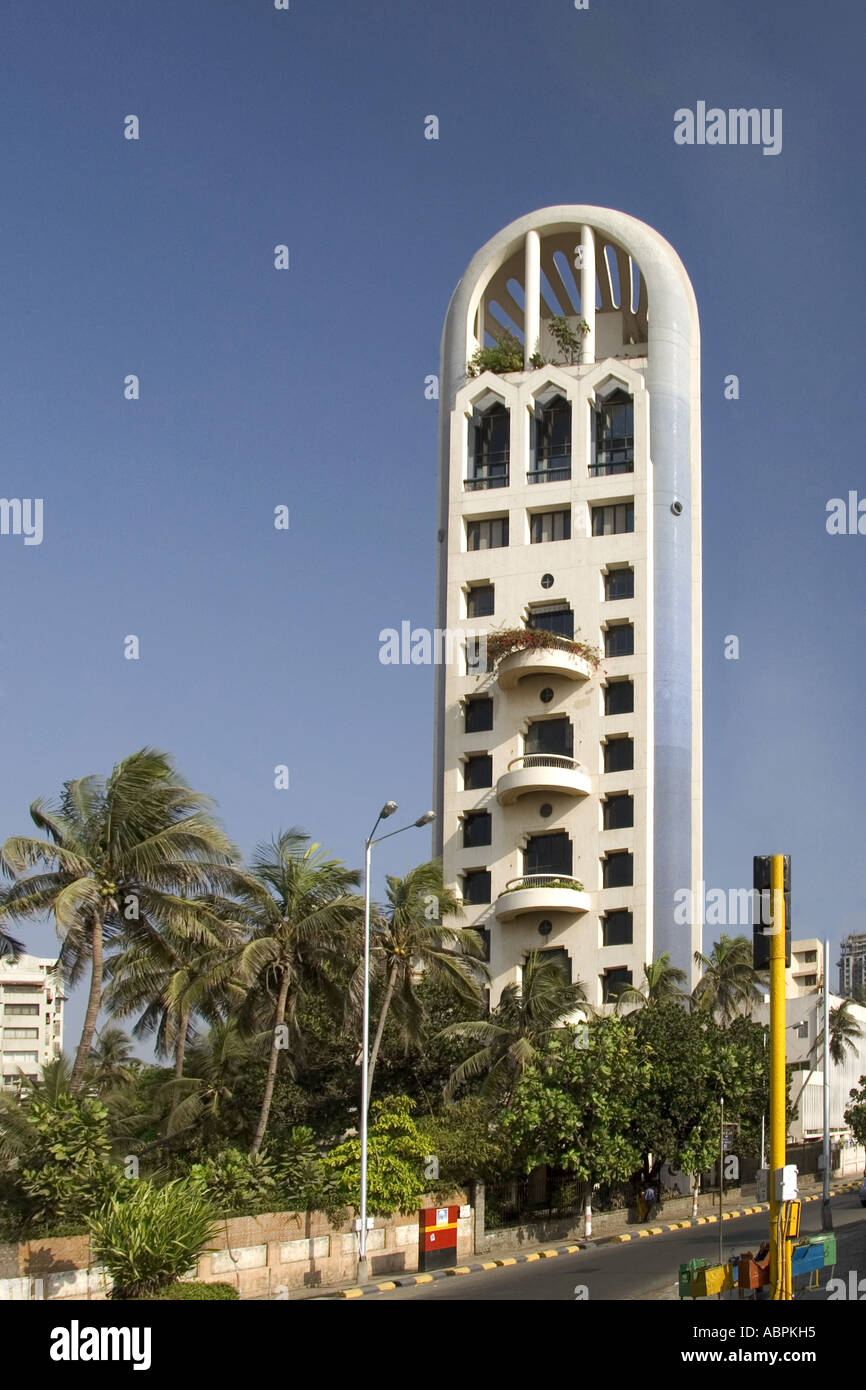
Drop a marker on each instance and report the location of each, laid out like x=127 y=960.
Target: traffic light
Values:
x=761 y=910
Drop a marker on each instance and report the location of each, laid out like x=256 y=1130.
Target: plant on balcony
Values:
x=522 y=639
x=506 y=355
x=569 y=340
x=573 y=883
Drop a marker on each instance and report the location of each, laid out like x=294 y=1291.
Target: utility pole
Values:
x=826 y=1212
x=778 y=1246
x=721 y=1175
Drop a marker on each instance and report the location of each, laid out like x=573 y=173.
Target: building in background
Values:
x=852 y=964
x=31 y=1017
x=806 y=971
x=569 y=800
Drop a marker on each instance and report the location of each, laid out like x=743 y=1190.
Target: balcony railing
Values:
x=492 y=472
x=542 y=892
x=563 y=760
x=619 y=458
x=552 y=473
x=514 y=885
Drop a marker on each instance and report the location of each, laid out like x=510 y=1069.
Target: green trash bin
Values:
x=828 y=1240
x=687 y=1276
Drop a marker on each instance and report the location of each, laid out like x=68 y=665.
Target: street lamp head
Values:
x=427 y=817
x=387 y=810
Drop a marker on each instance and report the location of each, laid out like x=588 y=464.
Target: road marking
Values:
x=548 y=1254
x=509 y=1261
x=459 y=1269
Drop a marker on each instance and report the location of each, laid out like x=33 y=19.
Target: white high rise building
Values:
x=568 y=798
x=31 y=1017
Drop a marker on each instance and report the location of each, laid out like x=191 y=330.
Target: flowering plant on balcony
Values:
x=522 y=639
x=549 y=882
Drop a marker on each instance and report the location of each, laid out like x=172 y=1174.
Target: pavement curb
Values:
x=406 y=1281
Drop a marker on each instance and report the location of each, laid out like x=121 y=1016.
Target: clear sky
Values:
x=305 y=387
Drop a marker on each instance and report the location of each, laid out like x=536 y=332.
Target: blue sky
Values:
x=259 y=387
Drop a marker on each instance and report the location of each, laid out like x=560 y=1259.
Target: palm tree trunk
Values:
x=380 y=1028
x=82 y=1057
x=272 y=1066
x=179 y=1050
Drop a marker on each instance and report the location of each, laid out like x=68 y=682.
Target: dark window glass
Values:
x=619 y=698
x=476 y=829
x=619 y=584
x=476 y=886
x=613 y=520
x=613 y=982
x=489 y=449
x=613 y=437
x=559 y=620
x=478 y=771
x=491 y=534
x=548 y=854
x=619 y=640
x=478 y=715
x=484 y=933
x=549 y=526
x=479 y=601
x=618 y=755
x=550 y=736
x=618 y=870
x=618 y=812
x=552 y=442
x=618 y=928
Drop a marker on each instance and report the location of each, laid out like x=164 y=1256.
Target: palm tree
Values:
x=214 y=1064
x=844 y=1032
x=407 y=946
x=150 y=975
x=729 y=981
x=661 y=980
x=10 y=946
x=115 y=847
x=112 y=1059
x=525 y=1020
x=299 y=907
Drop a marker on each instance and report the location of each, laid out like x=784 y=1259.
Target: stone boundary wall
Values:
x=265 y=1256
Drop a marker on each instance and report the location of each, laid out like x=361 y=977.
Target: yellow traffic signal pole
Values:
x=779 y=1246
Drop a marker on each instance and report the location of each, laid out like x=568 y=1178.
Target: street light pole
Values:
x=826 y=1210
x=387 y=810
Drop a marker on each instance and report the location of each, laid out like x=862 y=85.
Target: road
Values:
x=641 y=1269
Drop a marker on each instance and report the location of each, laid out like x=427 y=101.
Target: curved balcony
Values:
x=541 y=893
x=542 y=772
x=542 y=661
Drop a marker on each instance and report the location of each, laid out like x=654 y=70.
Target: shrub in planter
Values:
x=153 y=1237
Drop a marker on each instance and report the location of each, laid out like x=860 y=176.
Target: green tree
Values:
x=112 y=1060
x=299 y=907
x=855 y=1115
x=112 y=848
x=529 y=1015
x=729 y=983
x=573 y=1107
x=397 y=1153
x=413 y=942
x=65 y=1170
x=661 y=980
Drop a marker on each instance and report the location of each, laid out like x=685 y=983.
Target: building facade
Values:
x=852 y=964
x=806 y=971
x=31 y=1017
x=568 y=794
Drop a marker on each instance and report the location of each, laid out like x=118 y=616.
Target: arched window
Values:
x=552 y=455
x=489 y=448
x=613 y=436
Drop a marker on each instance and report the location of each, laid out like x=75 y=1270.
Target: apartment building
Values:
x=31 y=1017
x=568 y=794
x=852 y=964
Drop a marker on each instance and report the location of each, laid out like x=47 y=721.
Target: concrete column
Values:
x=532 y=295
x=587 y=291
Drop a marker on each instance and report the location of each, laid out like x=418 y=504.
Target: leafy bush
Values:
x=505 y=356
x=235 y=1181
x=397 y=1152
x=305 y=1180
x=567 y=339
x=153 y=1237
x=65 y=1171
x=201 y=1293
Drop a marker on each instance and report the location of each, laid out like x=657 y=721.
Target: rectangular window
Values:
x=619 y=698
x=548 y=854
x=558 y=618
x=614 y=520
x=619 y=584
x=613 y=442
x=476 y=829
x=618 y=870
x=552 y=442
x=618 y=812
x=549 y=526
x=484 y=933
x=491 y=534
x=479 y=601
x=21 y=1010
x=619 y=755
x=617 y=928
x=20 y=1059
x=613 y=983
x=810 y=957
x=20 y=1033
x=619 y=640
x=478 y=771
x=554 y=736
x=34 y=988
x=810 y=980
x=478 y=715
x=561 y=958
x=476 y=886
